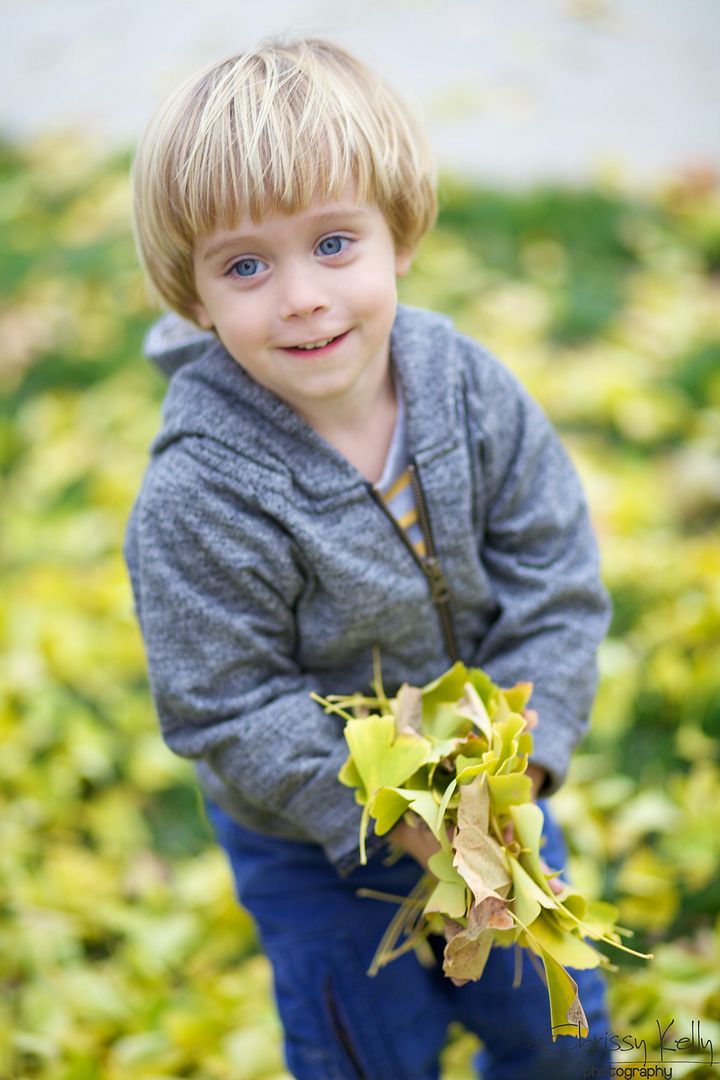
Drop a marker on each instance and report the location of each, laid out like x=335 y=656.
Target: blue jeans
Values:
x=340 y=1024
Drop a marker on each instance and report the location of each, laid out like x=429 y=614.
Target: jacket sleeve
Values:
x=215 y=580
x=540 y=554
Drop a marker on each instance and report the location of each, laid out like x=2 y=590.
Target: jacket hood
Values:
x=172 y=342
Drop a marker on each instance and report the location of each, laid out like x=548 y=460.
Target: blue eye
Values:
x=247 y=267
x=332 y=245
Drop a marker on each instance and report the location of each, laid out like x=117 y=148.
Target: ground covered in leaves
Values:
x=122 y=953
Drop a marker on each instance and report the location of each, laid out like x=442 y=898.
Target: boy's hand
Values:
x=538 y=776
x=416 y=840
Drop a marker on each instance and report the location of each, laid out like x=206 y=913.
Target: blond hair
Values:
x=271 y=130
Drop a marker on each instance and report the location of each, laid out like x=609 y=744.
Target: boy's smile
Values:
x=305 y=302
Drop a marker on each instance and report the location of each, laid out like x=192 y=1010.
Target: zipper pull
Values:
x=439 y=591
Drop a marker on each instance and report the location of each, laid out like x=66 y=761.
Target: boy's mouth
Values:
x=320 y=346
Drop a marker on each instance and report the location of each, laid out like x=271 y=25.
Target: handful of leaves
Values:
x=455 y=753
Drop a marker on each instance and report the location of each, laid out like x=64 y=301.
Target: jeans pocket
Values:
x=339 y=1027
x=327 y=1010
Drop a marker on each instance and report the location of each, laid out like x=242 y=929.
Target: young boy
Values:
x=336 y=474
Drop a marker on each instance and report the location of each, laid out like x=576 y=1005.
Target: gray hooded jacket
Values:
x=264 y=567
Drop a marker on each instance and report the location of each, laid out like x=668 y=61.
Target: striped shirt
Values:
x=394 y=484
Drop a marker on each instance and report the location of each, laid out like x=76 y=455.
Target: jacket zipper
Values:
x=429 y=562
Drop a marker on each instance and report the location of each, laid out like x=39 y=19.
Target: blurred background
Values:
x=536 y=89
x=579 y=238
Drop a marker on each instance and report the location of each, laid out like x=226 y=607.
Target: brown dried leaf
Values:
x=473 y=708
x=491 y=914
x=467 y=951
x=408 y=715
x=474 y=807
x=576 y=1014
x=479 y=858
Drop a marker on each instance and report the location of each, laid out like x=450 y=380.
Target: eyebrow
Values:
x=235 y=240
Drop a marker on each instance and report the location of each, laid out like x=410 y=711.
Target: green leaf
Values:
x=527 y=822
x=600 y=918
x=510 y=789
x=450 y=894
x=574 y=903
x=448 y=898
x=439 y=704
x=349 y=775
x=447 y=687
x=441 y=865
x=445 y=721
x=567 y=1016
x=389 y=804
x=517 y=696
x=528 y=897
x=483 y=684
x=505 y=736
x=564 y=946
x=382 y=759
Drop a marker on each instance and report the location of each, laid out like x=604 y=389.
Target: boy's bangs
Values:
x=258 y=153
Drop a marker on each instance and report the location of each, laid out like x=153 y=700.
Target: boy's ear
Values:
x=201 y=316
x=403 y=262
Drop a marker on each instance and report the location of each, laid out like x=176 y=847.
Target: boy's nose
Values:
x=301 y=293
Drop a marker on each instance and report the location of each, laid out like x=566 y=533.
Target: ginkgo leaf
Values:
x=528 y=825
x=573 y=905
x=450 y=894
x=517 y=696
x=492 y=913
x=528 y=822
x=600 y=918
x=465 y=957
x=447 y=687
x=528 y=897
x=509 y=790
x=524 y=743
x=349 y=775
x=382 y=758
x=448 y=898
x=484 y=685
x=389 y=804
x=467 y=767
x=467 y=950
x=441 y=865
x=567 y=1016
x=505 y=734
x=444 y=748
x=408 y=709
x=565 y=947
x=474 y=808
x=472 y=706
x=440 y=717
x=479 y=857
